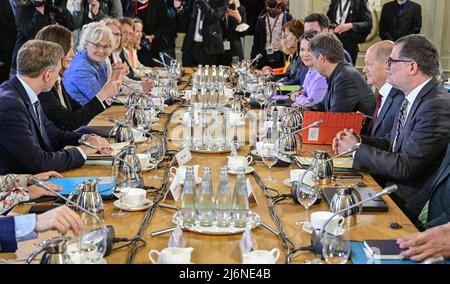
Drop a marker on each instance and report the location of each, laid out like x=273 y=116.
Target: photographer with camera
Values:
x=234 y=27
x=351 y=21
x=268 y=34
x=87 y=11
x=33 y=15
x=203 y=43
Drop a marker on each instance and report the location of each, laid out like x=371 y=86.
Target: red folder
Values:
x=333 y=122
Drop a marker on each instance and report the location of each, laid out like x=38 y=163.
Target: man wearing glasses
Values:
x=412 y=152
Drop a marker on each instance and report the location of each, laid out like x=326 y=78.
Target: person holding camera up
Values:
x=203 y=43
x=234 y=26
x=87 y=11
x=268 y=33
x=351 y=21
x=33 y=15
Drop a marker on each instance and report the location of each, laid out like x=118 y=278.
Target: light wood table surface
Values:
x=225 y=249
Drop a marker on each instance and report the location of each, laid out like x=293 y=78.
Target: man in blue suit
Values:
x=29 y=142
x=432 y=205
x=413 y=151
x=388 y=98
x=14 y=229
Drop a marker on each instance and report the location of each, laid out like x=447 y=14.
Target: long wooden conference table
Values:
x=224 y=249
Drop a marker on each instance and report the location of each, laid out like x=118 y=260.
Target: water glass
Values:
x=335 y=249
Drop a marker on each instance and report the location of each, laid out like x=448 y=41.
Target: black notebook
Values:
x=382 y=249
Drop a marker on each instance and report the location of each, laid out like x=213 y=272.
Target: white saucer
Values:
x=198 y=180
x=147 y=205
x=247 y=171
x=307 y=227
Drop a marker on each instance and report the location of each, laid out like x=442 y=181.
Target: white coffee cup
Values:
x=261 y=256
x=259 y=147
x=172 y=255
x=135 y=197
x=236 y=162
x=180 y=172
x=319 y=218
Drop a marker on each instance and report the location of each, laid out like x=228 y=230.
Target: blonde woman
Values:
x=88 y=71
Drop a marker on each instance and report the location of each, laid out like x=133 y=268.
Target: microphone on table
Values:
x=134 y=182
x=294 y=184
x=167 y=55
x=108 y=230
x=120 y=123
x=316 y=238
x=159 y=62
x=257 y=57
x=315 y=123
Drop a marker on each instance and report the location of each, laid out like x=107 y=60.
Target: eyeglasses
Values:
x=99 y=46
x=392 y=60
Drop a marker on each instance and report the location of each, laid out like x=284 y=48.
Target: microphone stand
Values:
x=140 y=182
x=300 y=181
x=315 y=123
x=316 y=240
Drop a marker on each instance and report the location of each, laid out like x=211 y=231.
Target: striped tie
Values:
x=400 y=122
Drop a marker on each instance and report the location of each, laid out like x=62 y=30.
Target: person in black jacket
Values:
x=31 y=18
x=154 y=16
x=8 y=34
x=400 y=18
x=352 y=22
x=236 y=15
x=58 y=105
x=203 y=42
x=432 y=206
x=269 y=26
x=347 y=89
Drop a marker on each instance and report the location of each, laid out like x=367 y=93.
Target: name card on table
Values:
x=183 y=157
x=251 y=195
x=174 y=189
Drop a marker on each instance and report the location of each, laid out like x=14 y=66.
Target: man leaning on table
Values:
x=414 y=149
x=29 y=142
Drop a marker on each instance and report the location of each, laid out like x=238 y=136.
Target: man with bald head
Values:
x=388 y=98
x=414 y=149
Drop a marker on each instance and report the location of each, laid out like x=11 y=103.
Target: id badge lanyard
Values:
x=271 y=28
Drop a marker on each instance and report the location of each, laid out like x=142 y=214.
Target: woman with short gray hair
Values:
x=88 y=70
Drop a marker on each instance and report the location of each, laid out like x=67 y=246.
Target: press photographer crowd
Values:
x=64 y=62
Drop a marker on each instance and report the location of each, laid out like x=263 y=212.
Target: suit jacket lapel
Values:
x=442 y=174
x=425 y=90
x=383 y=111
x=30 y=108
x=66 y=98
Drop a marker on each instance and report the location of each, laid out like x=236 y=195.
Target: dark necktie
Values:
x=400 y=122
x=377 y=108
x=37 y=108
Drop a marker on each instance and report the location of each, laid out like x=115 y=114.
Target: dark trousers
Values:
x=197 y=55
x=353 y=49
x=5 y=70
x=274 y=60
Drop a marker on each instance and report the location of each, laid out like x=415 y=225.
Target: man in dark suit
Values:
x=388 y=98
x=8 y=34
x=30 y=143
x=203 y=42
x=413 y=151
x=347 y=89
x=352 y=23
x=14 y=229
x=400 y=18
x=432 y=205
